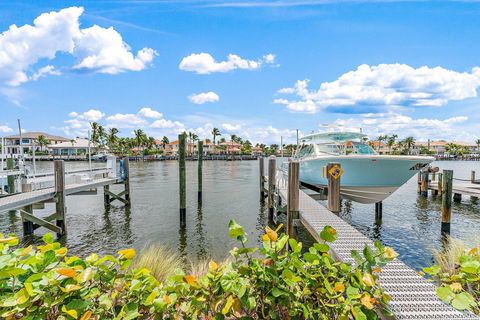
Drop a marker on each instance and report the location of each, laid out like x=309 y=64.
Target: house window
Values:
x=25 y=141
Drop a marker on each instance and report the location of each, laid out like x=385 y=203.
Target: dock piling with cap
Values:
x=272 y=168
x=182 y=179
x=446 y=200
x=293 y=200
x=333 y=188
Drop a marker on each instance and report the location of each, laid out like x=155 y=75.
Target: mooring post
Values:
x=106 y=196
x=378 y=210
x=27 y=225
x=419 y=183
x=447 y=184
x=59 y=171
x=126 y=181
x=182 y=180
x=293 y=202
x=200 y=169
x=424 y=186
x=11 y=179
x=272 y=168
x=472 y=176
x=440 y=184
x=262 y=179
x=333 y=188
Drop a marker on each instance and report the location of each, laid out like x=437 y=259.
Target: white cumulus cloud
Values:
x=204 y=97
x=95 y=48
x=5 y=129
x=150 y=113
x=384 y=85
x=204 y=63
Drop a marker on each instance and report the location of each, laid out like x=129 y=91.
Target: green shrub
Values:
x=45 y=283
x=457 y=272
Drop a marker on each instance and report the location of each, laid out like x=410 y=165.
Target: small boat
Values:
x=367 y=176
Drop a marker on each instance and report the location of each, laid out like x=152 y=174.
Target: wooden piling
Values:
x=472 y=176
x=272 y=168
x=333 y=189
x=27 y=225
x=424 y=185
x=60 y=203
x=440 y=184
x=126 y=182
x=293 y=202
x=419 y=183
x=11 y=179
x=261 y=178
x=447 y=185
x=378 y=210
x=182 y=180
x=106 y=196
x=200 y=169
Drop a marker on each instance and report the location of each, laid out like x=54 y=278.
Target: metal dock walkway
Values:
x=413 y=297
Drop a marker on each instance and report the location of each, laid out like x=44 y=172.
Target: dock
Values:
x=34 y=193
x=413 y=297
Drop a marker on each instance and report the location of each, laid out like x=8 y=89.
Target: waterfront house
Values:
x=73 y=147
x=257 y=151
x=229 y=147
x=29 y=142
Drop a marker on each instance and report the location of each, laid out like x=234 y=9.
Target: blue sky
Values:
x=259 y=69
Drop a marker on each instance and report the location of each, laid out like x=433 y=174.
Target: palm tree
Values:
x=380 y=139
x=140 y=138
x=112 y=138
x=42 y=141
x=95 y=136
x=478 y=145
x=391 y=142
x=233 y=138
x=101 y=135
x=165 y=141
x=215 y=134
x=409 y=143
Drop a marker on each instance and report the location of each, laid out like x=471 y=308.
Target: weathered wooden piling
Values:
x=60 y=203
x=126 y=182
x=440 y=184
x=272 y=168
x=333 y=187
x=424 y=185
x=447 y=185
x=472 y=176
x=182 y=180
x=261 y=178
x=27 y=225
x=106 y=196
x=11 y=179
x=419 y=183
x=378 y=210
x=293 y=202
x=200 y=169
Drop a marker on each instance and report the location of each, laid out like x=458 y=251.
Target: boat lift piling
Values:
x=447 y=186
x=261 y=178
x=272 y=168
x=200 y=170
x=182 y=179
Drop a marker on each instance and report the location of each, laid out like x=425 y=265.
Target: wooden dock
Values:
x=91 y=180
x=413 y=297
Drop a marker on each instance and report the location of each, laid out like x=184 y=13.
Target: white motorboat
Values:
x=367 y=176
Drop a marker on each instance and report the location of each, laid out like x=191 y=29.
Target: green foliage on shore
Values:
x=273 y=283
x=457 y=271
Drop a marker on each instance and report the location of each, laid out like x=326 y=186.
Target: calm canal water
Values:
x=411 y=224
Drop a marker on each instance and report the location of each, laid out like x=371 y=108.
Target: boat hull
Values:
x=365 y=179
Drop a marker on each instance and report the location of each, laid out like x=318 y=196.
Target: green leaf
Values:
x=463 y=301
x=310 y=257
x=352 y=292
x=328 y=234
x=235 y=231
x=277 y=292
x=358 y=314
x=48 y=238
x=322 y=247
x=445 y=293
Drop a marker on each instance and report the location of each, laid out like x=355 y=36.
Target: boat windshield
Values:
x=343 y=143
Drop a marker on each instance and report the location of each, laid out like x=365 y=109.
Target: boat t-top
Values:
x=367 y=176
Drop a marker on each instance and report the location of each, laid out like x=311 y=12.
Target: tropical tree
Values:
x=246 y=147
x=112 y=138
x=102 y=134
x=94 y=136
x=222 y=140
x=391 y=142
x=233 y=138
x=409 y=143
x=42 y=141
x=380 y=139
x=215 y=134
x=165 y=141
x=478 y=145
x=140 y=138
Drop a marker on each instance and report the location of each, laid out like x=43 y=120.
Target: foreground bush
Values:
x=45 y=283
x=457 y=271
